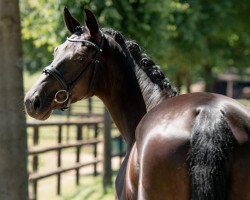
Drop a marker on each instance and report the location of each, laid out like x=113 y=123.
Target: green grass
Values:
x=245 y=102
x=90 y=189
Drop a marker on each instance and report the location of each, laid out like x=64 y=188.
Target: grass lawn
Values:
x=90 y=188
x=245 y=102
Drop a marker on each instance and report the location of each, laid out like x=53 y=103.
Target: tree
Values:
x=206 y=37
x=13 y=140
x=43 y=27
x=191 y=39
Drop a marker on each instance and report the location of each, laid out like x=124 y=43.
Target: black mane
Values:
x=152 y=70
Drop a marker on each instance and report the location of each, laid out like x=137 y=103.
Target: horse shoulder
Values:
x=132 y=175
x=162 y=144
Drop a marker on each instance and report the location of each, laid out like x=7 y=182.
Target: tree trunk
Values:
x=13 y=141
x=178 y=80
x=188 y=82
x=208 y=77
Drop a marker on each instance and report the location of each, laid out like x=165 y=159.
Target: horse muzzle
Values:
x=34 y=107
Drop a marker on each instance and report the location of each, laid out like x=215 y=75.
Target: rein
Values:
x=64 y=96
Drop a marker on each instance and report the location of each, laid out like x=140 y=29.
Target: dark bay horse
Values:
x=194 y=146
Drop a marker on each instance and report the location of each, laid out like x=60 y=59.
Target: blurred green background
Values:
x=191 y=40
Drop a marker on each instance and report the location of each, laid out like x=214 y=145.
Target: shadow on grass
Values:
x=91 y=188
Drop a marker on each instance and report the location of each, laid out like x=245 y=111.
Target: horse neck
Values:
x=121 y=93
x=151 y=92
x=155 y=87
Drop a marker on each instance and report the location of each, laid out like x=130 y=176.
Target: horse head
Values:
x=70 y=76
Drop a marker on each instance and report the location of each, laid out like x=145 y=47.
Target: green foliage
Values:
x=205 y=37
x=39 y=31
x=43 y=28
x=192 y=38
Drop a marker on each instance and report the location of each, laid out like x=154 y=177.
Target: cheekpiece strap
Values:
x=56 y=74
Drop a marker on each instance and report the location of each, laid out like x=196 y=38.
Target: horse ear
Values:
x=91 y=23
x=70 y=21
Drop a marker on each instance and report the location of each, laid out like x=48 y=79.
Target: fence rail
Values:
x=95 y=122
x=91 y=117
x=36 y=176
x=39 y=150
x=36 y=150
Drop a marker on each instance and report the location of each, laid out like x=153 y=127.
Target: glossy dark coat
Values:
x=160 y=160
x=193 y=146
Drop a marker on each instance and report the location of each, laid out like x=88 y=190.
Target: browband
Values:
x=84 y=41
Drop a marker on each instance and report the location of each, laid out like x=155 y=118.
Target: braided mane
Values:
x=143 y=61
x=152 y=70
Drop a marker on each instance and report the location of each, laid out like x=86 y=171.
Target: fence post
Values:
x=90 y=106
x=230 y=88
x=107 y=169
x=78 y=152
x=35 y=159
x=59 y=140
x=120 y=149
x=95 y=149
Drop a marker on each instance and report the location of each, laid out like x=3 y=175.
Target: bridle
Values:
x=64 y=96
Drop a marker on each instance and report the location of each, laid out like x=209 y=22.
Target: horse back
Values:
x=163 y=145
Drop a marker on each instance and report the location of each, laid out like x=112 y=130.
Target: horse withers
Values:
x=194 y=146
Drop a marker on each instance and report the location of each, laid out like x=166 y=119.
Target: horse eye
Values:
x=80 y=57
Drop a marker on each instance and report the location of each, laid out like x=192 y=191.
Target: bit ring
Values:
x=59 y=93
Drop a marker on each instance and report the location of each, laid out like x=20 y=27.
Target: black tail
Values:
x=211 y=151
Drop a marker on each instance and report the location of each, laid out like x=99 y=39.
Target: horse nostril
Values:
x=37 y=103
